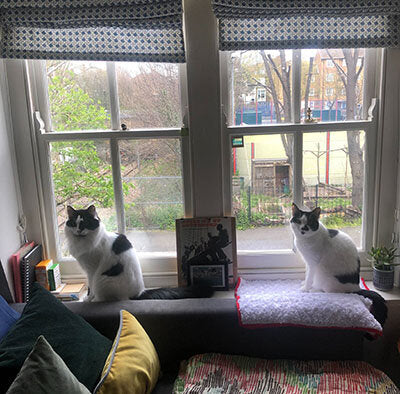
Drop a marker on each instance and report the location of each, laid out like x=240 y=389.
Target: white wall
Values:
x=9 y=235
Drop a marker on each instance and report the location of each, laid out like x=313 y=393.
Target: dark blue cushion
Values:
x=8 y=316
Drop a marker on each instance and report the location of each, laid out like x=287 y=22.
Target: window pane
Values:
x=152 y=180
x=333 y=173
x=262 y=192
x=78 y=95
x=332 y=83
x=149 y=95
x=82 y=176
x=260 y=87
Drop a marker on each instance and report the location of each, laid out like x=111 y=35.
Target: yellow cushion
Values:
x=132 y=365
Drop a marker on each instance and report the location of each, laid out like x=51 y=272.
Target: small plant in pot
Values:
x=383 y=265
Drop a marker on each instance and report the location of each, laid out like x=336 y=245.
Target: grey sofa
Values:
x=182 y=328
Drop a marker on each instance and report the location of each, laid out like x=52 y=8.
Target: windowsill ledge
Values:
x=391 y=295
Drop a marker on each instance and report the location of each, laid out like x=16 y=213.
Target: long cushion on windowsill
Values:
x=276 y=303
x=83 y=349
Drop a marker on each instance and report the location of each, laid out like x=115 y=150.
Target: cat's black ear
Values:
x=316 y=212
x=92 y=210
x=70 y=211
x=295 y=210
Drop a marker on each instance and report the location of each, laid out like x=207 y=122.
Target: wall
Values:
x=9 y=235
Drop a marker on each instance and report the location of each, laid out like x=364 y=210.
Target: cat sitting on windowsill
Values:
x=111 y=264
x=331 y=258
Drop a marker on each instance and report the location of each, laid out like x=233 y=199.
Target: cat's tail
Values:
x=378 y=309
x=176 y=293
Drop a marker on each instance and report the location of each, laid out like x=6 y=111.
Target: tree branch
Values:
x=342 y=74
x=359 y=70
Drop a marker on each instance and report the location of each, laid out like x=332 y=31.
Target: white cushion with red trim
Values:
x=263 y=303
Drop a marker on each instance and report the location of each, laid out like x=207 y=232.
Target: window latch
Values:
x=39 y=123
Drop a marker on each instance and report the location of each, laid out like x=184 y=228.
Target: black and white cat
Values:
x=110 y=262
x=331 y=258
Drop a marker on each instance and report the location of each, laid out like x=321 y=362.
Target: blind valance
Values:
x=126 y=30
x=281 y=24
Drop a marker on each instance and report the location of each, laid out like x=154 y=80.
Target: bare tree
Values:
x=283 y=109
x=308 y=83
x=349 y=78
x=149 y=96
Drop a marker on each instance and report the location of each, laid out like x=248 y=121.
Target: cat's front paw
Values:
x=305 y=288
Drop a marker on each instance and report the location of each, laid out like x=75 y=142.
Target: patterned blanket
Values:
x=224 y=374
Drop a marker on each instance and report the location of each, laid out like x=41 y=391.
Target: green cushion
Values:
x=44 y=372
x=83 y=349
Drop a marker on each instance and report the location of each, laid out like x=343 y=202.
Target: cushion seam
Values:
x=103 y=378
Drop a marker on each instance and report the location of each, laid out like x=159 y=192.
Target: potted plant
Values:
x=383 y=265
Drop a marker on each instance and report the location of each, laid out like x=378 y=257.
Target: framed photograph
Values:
x=204 y=244
x=214 y=275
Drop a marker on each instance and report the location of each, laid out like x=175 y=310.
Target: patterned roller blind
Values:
x=126 y=30
x=280 y=24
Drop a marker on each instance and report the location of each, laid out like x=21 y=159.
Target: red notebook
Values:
x=15 y=260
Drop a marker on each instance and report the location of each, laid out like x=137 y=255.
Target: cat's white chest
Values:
x=312 y=250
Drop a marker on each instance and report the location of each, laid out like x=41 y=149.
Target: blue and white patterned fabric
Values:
x=280 y=24
x=126 y=30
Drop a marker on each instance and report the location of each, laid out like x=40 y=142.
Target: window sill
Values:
x=391 y=295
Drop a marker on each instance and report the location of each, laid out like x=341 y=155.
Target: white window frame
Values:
x=272 y=263
x=44 y=136
x=329 y=63
x=330 y=77
x=261 y=94
x=311 y=93
x=329 y=92
x=207 y=165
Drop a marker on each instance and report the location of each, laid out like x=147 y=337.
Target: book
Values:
x=28 y=264
x=4 y=288
x=42 y=273
x=15 y=262
x=54 y=276
x=58 y=289
x=72 y=292
x=206 y=252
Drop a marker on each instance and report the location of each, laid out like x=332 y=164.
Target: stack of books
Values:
x=23 y=263
x=48 y=274
x=70 y=292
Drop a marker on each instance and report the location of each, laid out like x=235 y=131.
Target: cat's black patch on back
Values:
x=333 y=233
x=354 y=277
x=115 y=270
x=121 y=244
